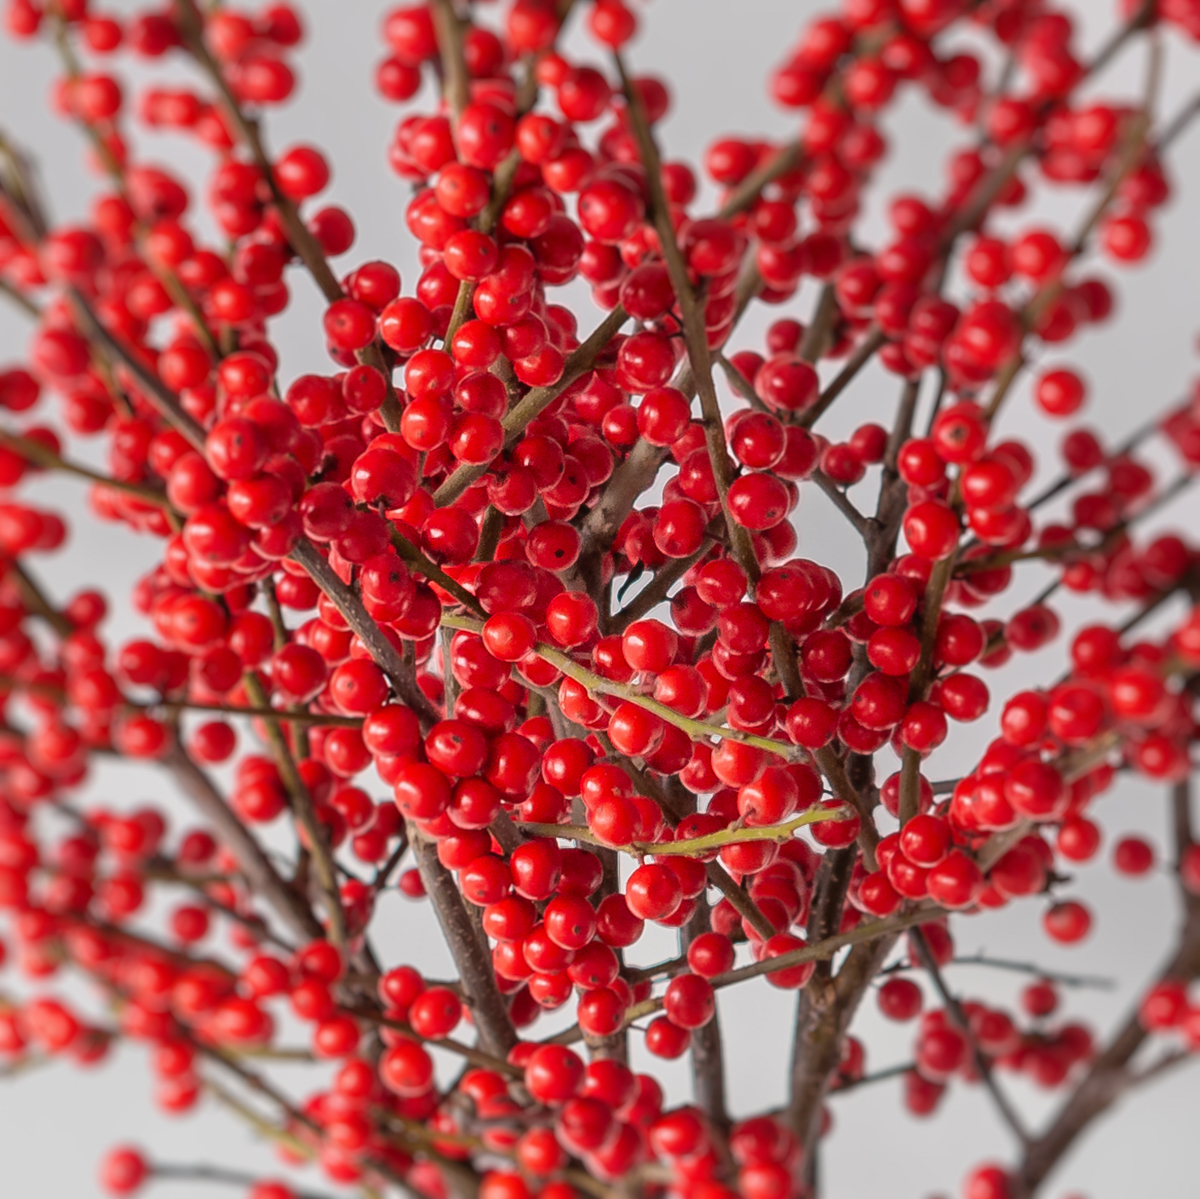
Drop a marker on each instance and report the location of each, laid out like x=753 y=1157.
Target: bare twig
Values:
x=305 y=812
x=692 y=310
x=251 y=859
x=982 y=1066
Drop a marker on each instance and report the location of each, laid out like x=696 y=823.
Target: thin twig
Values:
x=692 y=311
x=819 y=951
x=982 y=1066
x=598 y=685
x=252 y=861
x=305 y=813
x=578 y=363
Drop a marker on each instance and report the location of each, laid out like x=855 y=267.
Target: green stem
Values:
x=692 y=846
x=598 y=685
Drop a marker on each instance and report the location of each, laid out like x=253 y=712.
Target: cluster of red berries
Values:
x=943 y=1049
x=407 y=575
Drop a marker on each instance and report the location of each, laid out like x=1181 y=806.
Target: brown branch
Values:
x=740 y=899
x=863 y=353
x=469 y=1053
x=1097 y=981
x=424 y=565
x=884 y=1075
x=959 y=1018
x=21 y=300
x=655 y=592
x=1164 y=1065
x=815 y=340
x=779 y=162
x=834 y=770
x=1109 y=1076
x=842 y=502
x=160 y=397
x=449 y=31
x=707 y=1053
x=252 y=861
x=868 y=932
x=826 y=1006
x=632 y=477
x=825 y=1009
x=305 y=813
x=1142 y=433
x=220 y=1175
x=34 y=598
x=301 y=239
x=382 y=651
x=692 y=310
x=474 y=962
x=1178 y=124
x=535 y=402
x=11 y=682
x=43 y=456
x=1131 y=152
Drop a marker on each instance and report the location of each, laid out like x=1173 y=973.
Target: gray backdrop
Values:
x=56 y=1122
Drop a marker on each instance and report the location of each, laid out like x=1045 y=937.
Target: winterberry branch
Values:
x=43 y=456
x=301 y=239
x=1164 y=1064
x=692 y=311
x=982 y=1066
x=158 y=367
x=20 y=299
x=1134 y=144
x=656 y=591
x=115 y=170
x=1142 y=18
x=781 y=161
x=842 y=1087
x=536 y=401
x=819 y=951
x=254 y=924
x=1109 y=1075
x=841 y=501
x=814 y=342
x=382 y=651
x=1140 y=434
x=935 y=591
x=707 y=1050
x=275 y=1134
x=35 y=600
x=161 y=398
x=496 y=1033
x=1178 y=124
x=434 y=573
x=171 y=1172
x=693 y=845
x=469 y=1053
x=251 y=859
x=598 y=685
x=740 y=899
x=9 y=682
x=449 y=31
x=305 y=813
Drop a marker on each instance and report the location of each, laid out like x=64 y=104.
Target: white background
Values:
x=55 y=1123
